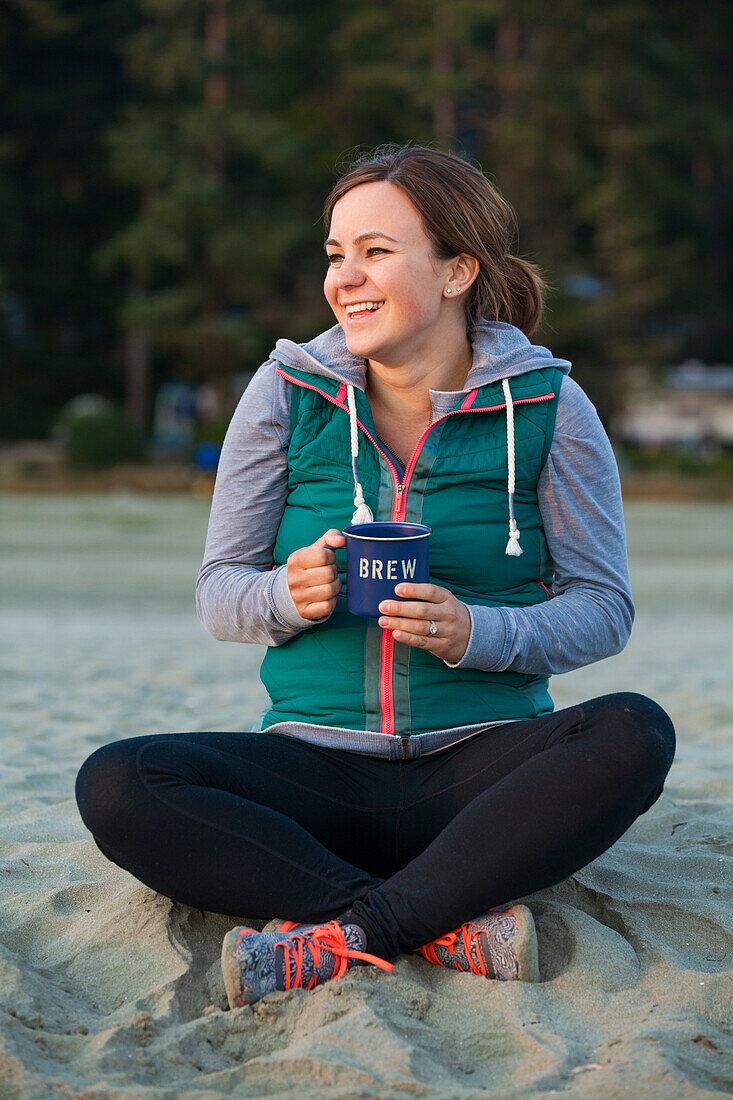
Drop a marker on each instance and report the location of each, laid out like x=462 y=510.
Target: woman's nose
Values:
x=348 y=273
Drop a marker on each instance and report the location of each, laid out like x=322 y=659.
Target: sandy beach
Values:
x=108 y=989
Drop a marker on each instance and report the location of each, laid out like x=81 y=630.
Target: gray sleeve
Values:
x=239 y=596
x=591 y=614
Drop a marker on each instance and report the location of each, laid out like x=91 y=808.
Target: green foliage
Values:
x=686 y=461
x=213 y=431
x=60 y=87
x=103 y=438
x=163 y=165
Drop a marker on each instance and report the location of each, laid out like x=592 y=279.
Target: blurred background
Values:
x=163 y=165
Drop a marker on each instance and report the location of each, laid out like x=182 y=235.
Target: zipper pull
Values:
x=400 y=490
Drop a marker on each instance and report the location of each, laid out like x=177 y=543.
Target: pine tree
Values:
x=217 y=160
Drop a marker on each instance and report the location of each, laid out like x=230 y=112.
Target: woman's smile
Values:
x=358 y=312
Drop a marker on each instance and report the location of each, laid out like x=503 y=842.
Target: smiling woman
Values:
x=409 y=779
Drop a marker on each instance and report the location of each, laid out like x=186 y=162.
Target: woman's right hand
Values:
x=312 y=577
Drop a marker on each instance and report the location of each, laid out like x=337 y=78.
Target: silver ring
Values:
x=433 y=628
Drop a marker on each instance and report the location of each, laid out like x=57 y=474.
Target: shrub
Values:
x=103 y=438
x=212 y=431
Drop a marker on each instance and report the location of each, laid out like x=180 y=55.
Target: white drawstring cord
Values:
x=363 y=513
x=512 y=547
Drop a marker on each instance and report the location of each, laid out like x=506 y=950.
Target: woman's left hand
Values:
x=410 y=621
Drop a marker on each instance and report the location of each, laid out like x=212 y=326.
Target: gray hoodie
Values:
x=241 y=598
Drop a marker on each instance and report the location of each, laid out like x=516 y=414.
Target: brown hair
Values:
x=461 y=212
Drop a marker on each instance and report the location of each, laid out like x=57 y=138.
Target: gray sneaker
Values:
x=497 y=945
x=257 y=963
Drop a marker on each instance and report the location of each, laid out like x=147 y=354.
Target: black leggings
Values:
x=260 y=825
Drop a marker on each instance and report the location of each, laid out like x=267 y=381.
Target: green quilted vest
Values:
x=347 y=671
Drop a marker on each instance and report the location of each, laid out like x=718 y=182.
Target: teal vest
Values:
x=347 y=671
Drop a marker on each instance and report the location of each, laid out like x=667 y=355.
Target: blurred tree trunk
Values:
x=443 y=61
x=136 y=353
x=215 y=84
x=215 y=98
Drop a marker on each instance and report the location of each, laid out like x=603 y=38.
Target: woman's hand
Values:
x=410 y=622
x=313 y=578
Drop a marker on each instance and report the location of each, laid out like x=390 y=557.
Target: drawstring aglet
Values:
x=363 y=513
x=512 y=547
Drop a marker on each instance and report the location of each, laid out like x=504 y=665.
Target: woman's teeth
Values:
x=363 y=307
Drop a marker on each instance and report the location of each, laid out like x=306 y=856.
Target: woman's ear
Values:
x=464 y=271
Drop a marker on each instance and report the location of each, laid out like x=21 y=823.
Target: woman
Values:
x=409 y=777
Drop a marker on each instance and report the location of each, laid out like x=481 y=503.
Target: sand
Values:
x=108 y=989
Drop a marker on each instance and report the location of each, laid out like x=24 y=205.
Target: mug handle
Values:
x=342 y=595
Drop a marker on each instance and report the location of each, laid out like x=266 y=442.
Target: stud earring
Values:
x=448 y=290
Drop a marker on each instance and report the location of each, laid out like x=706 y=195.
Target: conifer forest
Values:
x=163 y=167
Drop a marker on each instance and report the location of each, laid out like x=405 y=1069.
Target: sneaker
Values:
x=257 y=963
x=497 y=945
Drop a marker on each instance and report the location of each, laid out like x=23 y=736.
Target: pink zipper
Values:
x=399 y=504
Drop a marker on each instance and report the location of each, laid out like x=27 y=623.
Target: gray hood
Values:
x=501 y=351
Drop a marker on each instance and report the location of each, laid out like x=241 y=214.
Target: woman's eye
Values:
x=337 y=255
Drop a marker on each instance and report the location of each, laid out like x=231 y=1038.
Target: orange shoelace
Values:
x=468 y=933
x=329 y=937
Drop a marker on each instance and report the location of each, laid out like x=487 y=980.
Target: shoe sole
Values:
x=274 y=924
x=236 y=993
x=525 y=945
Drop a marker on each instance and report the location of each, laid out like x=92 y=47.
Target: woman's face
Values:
x=393 y=267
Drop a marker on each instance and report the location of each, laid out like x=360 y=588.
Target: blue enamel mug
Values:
x=378 y=557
